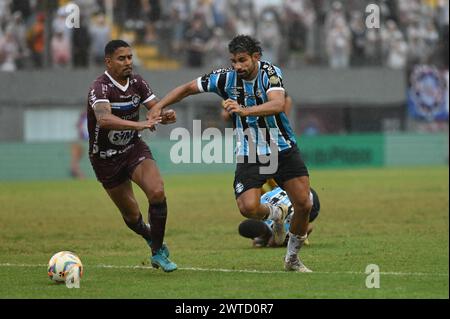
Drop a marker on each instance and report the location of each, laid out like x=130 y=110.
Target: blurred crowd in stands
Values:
x=293 y=33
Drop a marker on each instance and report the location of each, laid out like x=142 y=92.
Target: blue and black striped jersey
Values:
x=262 y=131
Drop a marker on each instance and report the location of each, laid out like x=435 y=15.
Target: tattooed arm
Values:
x=107 y=120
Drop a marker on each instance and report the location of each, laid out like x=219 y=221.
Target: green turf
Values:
x=396 y=218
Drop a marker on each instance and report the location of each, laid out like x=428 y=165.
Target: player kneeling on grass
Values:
x=261 y=232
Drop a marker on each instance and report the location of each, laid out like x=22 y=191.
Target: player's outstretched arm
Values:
x=174 y=96
x=167 y=116
x=108 y=120
x=274 y=105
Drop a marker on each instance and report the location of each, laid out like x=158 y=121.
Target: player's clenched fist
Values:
x=231 y=106
x=168 y=116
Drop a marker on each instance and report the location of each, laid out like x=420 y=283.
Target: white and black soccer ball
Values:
x=61 y=264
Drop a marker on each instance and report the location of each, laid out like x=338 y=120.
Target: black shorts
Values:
x=248 y=175
x=114 y=171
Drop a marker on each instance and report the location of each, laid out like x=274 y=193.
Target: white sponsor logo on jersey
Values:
x=121 y=137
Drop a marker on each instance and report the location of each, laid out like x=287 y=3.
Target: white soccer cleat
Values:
x=293 y=263
x=279 y=232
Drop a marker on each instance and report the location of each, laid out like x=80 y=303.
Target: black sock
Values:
x=140 y=228
x=157 y=215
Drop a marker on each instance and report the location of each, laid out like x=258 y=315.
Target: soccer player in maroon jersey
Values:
x=117 y=153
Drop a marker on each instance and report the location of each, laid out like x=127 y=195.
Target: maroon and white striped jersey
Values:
x=125 y=102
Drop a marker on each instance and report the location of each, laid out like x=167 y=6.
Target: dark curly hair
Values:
x=244 y=43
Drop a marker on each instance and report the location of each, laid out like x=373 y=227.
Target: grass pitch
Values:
x=396 y=218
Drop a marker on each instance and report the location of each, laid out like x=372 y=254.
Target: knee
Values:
x=157 y=195
x=303 y=206
x=248 y=208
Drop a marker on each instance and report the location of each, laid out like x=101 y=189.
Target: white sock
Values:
x=294 y=244
x=275 y=212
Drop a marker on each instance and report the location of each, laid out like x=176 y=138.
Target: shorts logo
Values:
x=239 y=188
x=120 y=137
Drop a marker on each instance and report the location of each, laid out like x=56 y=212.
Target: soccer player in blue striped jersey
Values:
x=254 y=95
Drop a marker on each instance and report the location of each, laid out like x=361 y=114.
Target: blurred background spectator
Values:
x=36 y=40
x=269 y=33
x=60 y=49
x=196 y=39
x=100 y=34
x=9 y=51
x=339 y=41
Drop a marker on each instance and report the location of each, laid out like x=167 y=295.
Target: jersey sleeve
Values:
x=145 y=90
x=214 y=82
x=272 y=78
x=98 y=93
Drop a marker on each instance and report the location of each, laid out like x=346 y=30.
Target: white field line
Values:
x=250 y=271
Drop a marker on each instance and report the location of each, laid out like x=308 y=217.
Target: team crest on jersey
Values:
x=239 y=188
x=104 y=89
x=258 y=93
x=135 y=100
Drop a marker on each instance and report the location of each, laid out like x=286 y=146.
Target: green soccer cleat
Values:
x=161 y=260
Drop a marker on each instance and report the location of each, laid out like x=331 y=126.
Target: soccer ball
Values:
x=61 y=264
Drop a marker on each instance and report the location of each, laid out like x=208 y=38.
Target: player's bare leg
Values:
x=76 y=155
x=298 y=191
x=310 y=229
x=146 y=175
x=250 y=206
x=124 y=199
x=149 y=179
